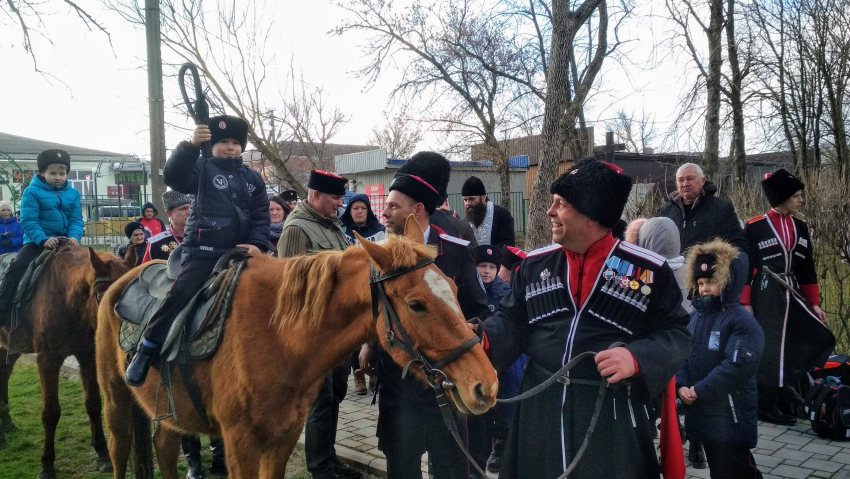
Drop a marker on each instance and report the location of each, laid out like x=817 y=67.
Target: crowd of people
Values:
x=691 y=307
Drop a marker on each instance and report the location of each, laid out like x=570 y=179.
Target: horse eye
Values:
x=417 y=306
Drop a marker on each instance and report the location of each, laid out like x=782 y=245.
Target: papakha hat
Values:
x=418 y=189
x=226 y=126
x=325 y=182
x=596 y=189
x=779 y=186
x=51 y=157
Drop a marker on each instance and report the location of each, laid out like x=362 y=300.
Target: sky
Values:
x=95 y=95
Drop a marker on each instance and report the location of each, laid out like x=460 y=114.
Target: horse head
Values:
x=107 y=269
x=429 y=318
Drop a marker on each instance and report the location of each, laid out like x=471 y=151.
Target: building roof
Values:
x=515 y=162
x=22 y=148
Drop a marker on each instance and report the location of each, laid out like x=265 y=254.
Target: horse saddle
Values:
x=199 y=325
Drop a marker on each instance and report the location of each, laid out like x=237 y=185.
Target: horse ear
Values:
x=381 y=257
x=97 y=263
x=413 y=231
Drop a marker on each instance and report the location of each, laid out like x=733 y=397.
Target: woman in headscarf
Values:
x=278 y=211
x=661 y=236
x=358 y=216
x=138 y=235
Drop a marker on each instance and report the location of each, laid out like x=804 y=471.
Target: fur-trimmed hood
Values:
x=722 y=272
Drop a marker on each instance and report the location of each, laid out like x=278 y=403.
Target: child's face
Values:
x=55 y=174
x=488 y=272
x=707 y=288
x=227 y=148
x=5 y=213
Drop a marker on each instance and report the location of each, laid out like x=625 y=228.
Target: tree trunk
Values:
x=561 y=110
x=738 y=153
x=712 y=110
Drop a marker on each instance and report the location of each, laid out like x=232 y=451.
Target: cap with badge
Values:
x=486 y=253
x=418 y=189
x=288 y=195
x=325 y=182
x=51 y=157
x=226 y=126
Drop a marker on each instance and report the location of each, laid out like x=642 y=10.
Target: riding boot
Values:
x=696 y=454
x=137 y=371
x=494 y=462
x=192 y=453
x=218 y=466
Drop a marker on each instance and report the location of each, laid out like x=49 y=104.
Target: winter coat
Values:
x=710 y=217
x=496 y=290
x=10 y=229
x=48 y=211
x=373 y=230
x=154 y=225
x=121 y=252
x=727 y=345
x=229 y=207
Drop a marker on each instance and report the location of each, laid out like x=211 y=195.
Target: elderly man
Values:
x=314 y=227
x=586 y=292
x=699 y=214
x=409 y=421
x=492 y=223
x=177 y=206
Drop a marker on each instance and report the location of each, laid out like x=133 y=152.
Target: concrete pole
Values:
x=156 y=107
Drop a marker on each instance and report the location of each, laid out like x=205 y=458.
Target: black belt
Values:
x=564 y=379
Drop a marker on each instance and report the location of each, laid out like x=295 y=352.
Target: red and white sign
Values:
x=376 y=199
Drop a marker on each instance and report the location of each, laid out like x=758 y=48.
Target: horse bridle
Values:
x=399 y=337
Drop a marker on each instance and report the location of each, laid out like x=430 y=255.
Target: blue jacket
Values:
x=496 y=290
x=48 y=211
x=727 y=347
x=230 y=205
x=17 y=238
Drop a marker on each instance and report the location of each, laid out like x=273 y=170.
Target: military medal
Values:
x=545 y=274
x=634 y=284
x=608 y=275
x=165 y=248
x=624 y=282
x=645 y=290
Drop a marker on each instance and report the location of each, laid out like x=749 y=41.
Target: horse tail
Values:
x=142 y=443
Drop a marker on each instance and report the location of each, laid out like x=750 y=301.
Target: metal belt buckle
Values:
x=564 y=380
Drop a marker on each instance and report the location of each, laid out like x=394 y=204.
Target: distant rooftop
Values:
x=22 y=148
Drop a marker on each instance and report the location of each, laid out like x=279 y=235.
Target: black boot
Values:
x=218 y=466
x=344 y=471
x=137 y=371
x=696 y=454
x=494 y=462
x=6 y=424
x=775 y=416
x=192 y=453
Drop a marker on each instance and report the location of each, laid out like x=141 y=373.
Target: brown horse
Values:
x=63 y=318
x=291 y=322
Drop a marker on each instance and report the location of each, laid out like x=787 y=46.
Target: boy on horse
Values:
x=230 y=209
x=50 y=209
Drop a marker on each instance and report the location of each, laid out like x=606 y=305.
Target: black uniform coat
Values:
x=549 y=428
x=794 y=338
x=230 y=205
x=161 y=246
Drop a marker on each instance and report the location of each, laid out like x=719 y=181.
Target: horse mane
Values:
x=308 y=283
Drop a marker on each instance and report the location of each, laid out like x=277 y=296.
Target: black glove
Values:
x=6 y=243
x=8 y=234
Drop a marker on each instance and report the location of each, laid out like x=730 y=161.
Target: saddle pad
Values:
x=143 y=297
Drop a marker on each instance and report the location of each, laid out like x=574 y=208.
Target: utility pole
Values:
x=156 y=105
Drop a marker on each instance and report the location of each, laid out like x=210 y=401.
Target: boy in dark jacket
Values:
x=230 y=209
x=718 y=382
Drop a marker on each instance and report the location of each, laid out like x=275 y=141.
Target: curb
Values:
x=373 y=465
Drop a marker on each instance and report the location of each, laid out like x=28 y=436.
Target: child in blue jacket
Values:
x=11 y=234
x=50 y=208
x=718 y=382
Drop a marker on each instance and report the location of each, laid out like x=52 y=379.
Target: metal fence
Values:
x=106 y=216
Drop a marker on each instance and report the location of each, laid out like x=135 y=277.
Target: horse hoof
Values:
x=104 y=465
x=46 y=475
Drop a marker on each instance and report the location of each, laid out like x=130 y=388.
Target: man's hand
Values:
x=748 y=308
x=74 y=241
x=200 y=135
x=687 y=395
x=366 y=357
x=51 y=242
x=252 y=250
x=615 y=364
x=820 y=313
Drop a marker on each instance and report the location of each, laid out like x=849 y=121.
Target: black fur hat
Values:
x=780 y=186
x=432 y=167
x=52 y=157
x=289 y=195
x=132 y=227
x=486 y=253
x=418 y=189
x=595 y=189
x=226 y=126
x=473 y=186
x=327 y=182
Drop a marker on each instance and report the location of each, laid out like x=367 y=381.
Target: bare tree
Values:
x=638 y=134
x=231 y=54
x=399 y=136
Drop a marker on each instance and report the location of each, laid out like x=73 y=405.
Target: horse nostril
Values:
x=480 y=398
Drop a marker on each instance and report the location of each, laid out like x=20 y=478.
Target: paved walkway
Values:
x=783 y=451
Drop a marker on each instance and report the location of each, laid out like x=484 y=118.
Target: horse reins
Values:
x=433 y=369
